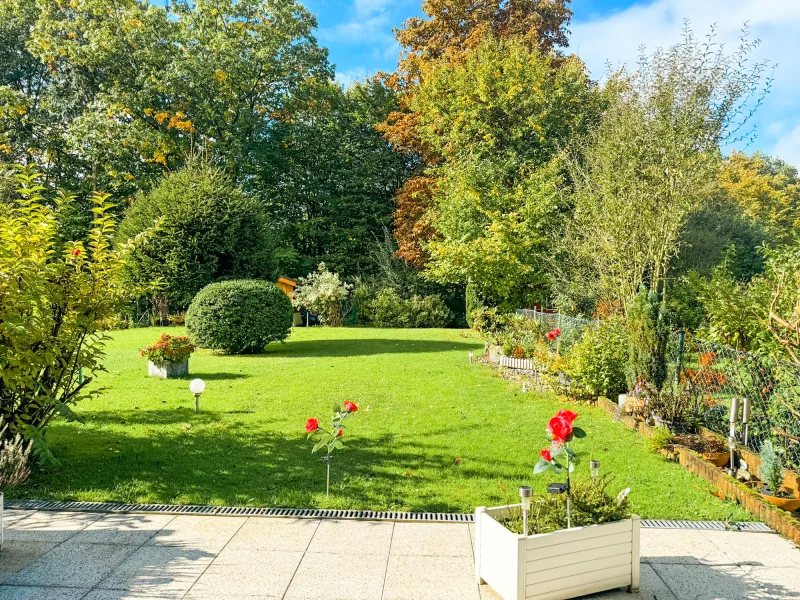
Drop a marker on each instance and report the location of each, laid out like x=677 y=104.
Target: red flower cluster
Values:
x=560 y=426
x=350 y=406
x=169 y=348
x=553 y=335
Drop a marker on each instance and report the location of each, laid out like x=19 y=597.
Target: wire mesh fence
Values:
x=710 y=375
x=713 y=374
x=572 y=328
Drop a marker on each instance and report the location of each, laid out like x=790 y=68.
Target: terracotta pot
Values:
x=718 y=459
x=788 y=504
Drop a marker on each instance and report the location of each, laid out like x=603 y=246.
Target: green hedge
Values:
x=239 y=316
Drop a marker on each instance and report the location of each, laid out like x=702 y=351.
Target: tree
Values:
x=452 y=28
x=208 y=230
x=329 y=178
x=108 y=94
x=766 y=189
x=648 y=165
x=498 y=117
x=54 y=298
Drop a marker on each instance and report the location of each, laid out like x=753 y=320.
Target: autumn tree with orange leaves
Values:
x=450 y=30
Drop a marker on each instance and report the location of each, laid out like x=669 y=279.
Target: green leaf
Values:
x=319 y=445
x=556 y=468
x=541 y=466
x=578 y=432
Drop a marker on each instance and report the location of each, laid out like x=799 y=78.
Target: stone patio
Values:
x=92 y=556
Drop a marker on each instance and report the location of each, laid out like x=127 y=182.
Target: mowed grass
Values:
x=434 y=433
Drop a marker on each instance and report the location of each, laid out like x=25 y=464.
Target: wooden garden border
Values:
x=780 y=520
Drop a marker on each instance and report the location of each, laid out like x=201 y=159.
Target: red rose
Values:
x=76 y=252
x=551 y=335
x=340 y=433
x=557 y=332
x=560 y=428
x=567 y=414
x=312 y=425
x=350 y=406
x=545 y=454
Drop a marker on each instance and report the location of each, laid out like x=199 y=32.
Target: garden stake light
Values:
x=562 y=432
x=197 y=387
x=525 y=501
x=594 y=467
x=330 y=439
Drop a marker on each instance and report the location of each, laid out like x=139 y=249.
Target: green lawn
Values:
x=433 y=433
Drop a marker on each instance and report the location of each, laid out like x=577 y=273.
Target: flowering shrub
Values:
x=168 y=348
x=323 y=293
x=330 y=439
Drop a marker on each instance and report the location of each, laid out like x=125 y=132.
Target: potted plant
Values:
x=771 y=473
x=14 y=467
x=594 y=549
x=169 y=356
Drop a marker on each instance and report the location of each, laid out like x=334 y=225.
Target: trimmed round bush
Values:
x=239 y=316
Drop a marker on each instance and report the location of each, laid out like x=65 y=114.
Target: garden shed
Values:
x=287 y=285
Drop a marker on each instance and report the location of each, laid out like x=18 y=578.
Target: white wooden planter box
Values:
x=555 y=566
x=168 y=370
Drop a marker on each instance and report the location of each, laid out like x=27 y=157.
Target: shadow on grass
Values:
x=365 y=347
x=216 y=376
x=216 y=463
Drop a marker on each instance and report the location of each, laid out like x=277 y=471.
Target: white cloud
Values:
x=370 y=7
x=616 y=38
x=349 y=77
x=788 y=147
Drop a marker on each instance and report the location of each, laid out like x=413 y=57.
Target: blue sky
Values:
x=358 y=34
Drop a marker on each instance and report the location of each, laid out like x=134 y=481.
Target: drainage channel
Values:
x=322 y=513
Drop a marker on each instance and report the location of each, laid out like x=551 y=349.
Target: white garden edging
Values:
x=555 y=566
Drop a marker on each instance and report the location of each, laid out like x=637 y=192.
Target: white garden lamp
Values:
x=525 y=497
x=197 y=387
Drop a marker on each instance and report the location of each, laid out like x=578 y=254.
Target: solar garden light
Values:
x=562 y=488
x=197 y=387
x=594 y=467
x=525 y=501
x=732 y=434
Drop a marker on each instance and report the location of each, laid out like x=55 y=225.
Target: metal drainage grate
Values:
x=705 y=525
x=247 y=511
x=318 y=513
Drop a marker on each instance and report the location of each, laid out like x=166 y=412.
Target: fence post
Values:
x=679 y=364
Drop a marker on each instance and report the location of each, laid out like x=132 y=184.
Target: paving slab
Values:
x=50 y=526
x=98 y=594
x=11 y=515
x=779 y=582
x=680 y=546
x=710 y=582
x=72 y=565
x=133 y=529
x=651 y=587
x=159 y=569
x=9 y=592
x=255 y=573
x=420 y=539
x=354 y=537
x=199 y=532
x=430 y=578
x=290 y=535
x=18 y=555
x=329 y=576
x=759 y=547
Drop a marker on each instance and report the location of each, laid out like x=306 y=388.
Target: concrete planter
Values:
x=168 y=370
x=555 y=566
